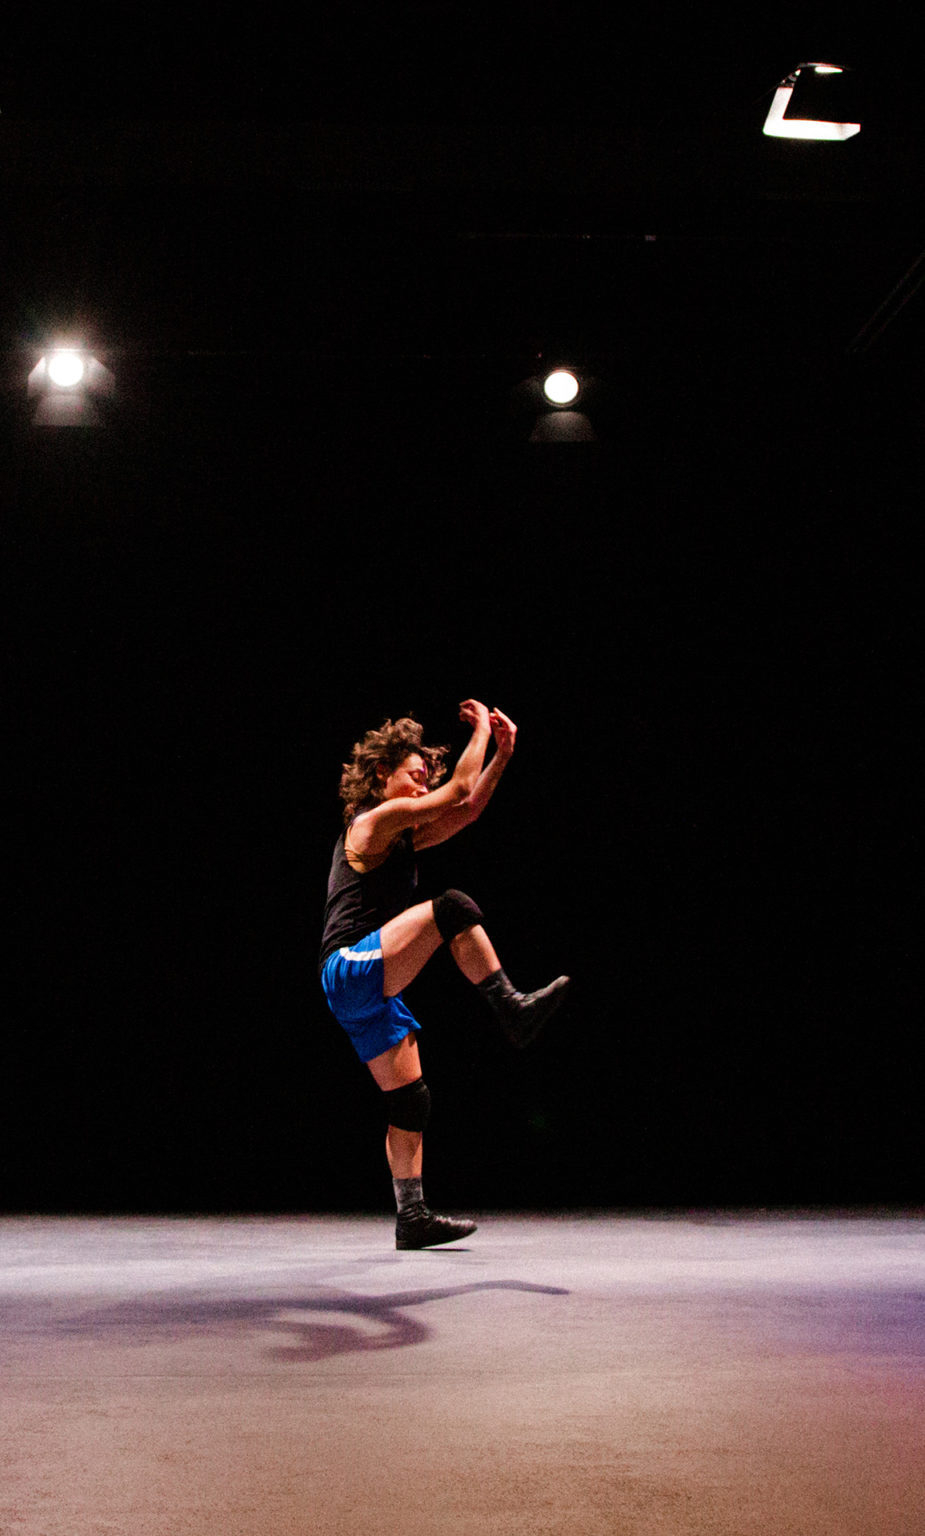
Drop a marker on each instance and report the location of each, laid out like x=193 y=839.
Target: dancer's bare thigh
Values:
x=399 y=1065
x=408 y=941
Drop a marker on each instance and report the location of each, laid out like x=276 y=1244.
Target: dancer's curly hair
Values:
x=360 y=789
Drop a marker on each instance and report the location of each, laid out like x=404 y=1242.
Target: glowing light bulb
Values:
x=560 y=387
x=66 y=368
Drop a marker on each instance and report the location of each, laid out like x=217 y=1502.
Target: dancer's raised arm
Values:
x=407 y=802
x=454 y=819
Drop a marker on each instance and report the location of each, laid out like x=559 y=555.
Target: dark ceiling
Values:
x=462 y=181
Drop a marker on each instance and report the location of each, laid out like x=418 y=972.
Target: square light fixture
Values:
x=800 y=101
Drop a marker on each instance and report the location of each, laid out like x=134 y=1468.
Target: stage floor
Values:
x=636 y=1376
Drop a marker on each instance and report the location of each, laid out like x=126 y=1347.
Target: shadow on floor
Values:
x=363 y=1323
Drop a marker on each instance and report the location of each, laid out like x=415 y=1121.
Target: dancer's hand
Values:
x=471 y=712
x=505 y=733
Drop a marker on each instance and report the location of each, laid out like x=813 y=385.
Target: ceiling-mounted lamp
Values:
x=800 y=99
x=557 y=421
x=68 y=382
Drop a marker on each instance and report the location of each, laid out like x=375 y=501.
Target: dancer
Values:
x=377 y=936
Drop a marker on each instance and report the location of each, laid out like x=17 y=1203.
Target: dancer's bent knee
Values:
x=454 y=913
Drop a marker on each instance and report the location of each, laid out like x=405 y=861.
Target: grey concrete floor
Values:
x=661 y=1375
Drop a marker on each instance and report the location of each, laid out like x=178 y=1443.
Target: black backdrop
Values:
x=314 y=505
x=704 y=636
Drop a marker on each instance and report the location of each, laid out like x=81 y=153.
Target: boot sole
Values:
x=410 y=1244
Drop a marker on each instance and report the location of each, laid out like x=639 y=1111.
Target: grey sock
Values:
x=408 y=1193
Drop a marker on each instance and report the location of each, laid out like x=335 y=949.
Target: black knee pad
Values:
x=408 y=1107
x=454 y=912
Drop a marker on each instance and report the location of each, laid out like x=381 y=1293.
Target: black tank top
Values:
x=359 y=904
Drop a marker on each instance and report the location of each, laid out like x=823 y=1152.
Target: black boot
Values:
x=522 y=1014
x=417 y=1227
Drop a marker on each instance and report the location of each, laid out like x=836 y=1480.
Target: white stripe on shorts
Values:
x=360 y=954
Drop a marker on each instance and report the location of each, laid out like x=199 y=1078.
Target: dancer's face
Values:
x=407 y=781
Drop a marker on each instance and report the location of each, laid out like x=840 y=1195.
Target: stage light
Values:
x=563 y=424
x=555 y=403
x=68 y=383
x=805 y=80
x=560 y=387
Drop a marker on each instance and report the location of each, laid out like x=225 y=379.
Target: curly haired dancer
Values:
x=377 y=937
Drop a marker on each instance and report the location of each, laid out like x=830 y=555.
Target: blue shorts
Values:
x=353 y=979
